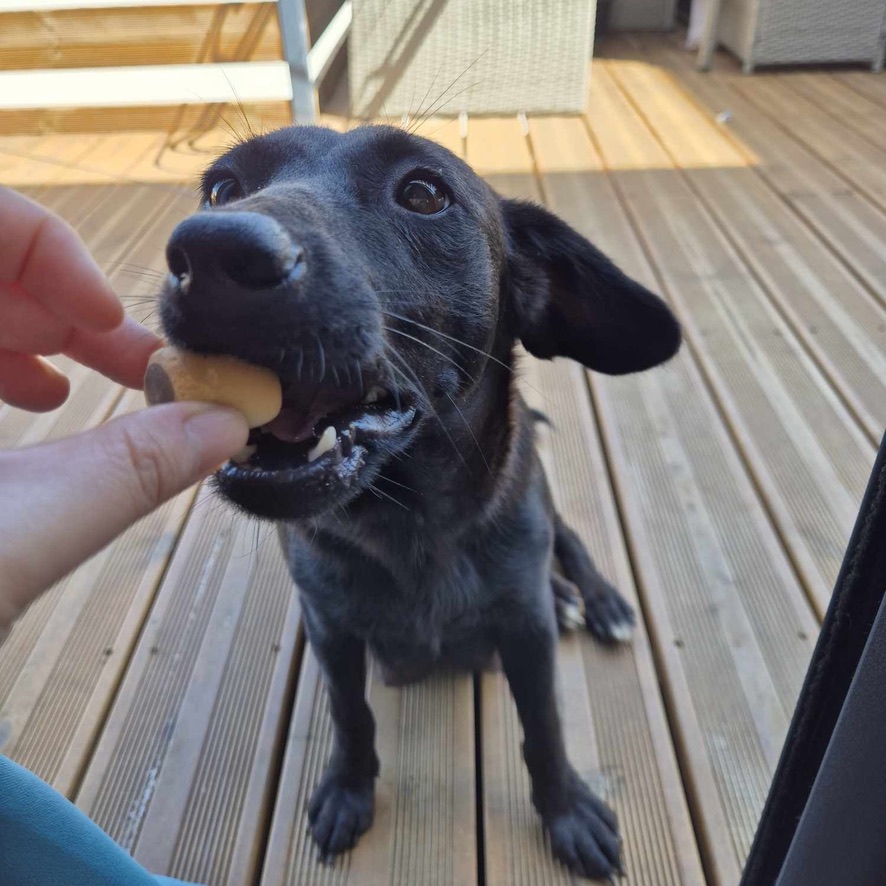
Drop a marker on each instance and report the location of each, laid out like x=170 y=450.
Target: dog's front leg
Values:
x=583 y=831
x=342 y=805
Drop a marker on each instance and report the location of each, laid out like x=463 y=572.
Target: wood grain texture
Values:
x=804 y=448
x=730 y=627
x=612 y=711
x=87 y=38
x=845 y=222
x=837 y=321
x=182 y=774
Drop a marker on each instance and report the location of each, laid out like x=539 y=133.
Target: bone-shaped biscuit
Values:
x=173 y=374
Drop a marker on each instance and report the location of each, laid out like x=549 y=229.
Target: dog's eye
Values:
x=425 y=198
x=224 y=191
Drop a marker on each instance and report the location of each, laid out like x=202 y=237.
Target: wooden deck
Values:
x=166 y=686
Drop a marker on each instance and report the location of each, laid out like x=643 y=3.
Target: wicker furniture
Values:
x=476 y=56
x=642 y=15
x=784 y=32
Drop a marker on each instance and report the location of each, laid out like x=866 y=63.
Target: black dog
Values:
x=387 y=284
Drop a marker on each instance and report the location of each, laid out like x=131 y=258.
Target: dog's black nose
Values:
x=252 y=250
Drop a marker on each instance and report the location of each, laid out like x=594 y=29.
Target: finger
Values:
x=121 y=355
x=45 y=257
x=64 y=501
x=28 y=326
x=30 y=382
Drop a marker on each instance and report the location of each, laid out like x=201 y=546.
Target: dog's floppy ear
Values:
x=566 y=298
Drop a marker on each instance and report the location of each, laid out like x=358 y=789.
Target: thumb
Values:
x=64 y=501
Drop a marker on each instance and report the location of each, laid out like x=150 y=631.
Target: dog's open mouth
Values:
x=322 y=431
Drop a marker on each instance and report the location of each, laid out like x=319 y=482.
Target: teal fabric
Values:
x=47 y=841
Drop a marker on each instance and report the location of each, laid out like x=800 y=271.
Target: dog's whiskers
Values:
x=346 y=512
x=421 y=117
x=439 y=353
x=451 y=338
x=378 y=492
x=418 y=111
x=426 y=400
x=439 y=106
x=397 y=483
x=470 y=431
x=321 y=354
x=257 y=540
x=514 y=370
x=132 y=269
x=136 y=301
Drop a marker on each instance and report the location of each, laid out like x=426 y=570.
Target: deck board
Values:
x=846 y=223
x=805 y=450
x=864 y=85
x=835 y=318
x=182 y=773
x=629 y=759
x=856 y=160
x=28 y=161
x=424 y=827
x=724 y=609
x=166 y=685
x=842 y=104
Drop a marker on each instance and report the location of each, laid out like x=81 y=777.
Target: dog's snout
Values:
x=251 y=250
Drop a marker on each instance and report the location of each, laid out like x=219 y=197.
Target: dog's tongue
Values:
x=296 y=422
x=292 y=426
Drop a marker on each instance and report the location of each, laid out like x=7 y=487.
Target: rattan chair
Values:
x=786 y=32
x=444 y=57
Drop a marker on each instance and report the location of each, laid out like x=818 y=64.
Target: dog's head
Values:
x=381 y=279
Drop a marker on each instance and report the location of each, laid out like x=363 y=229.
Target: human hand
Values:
x=55 y=300
x=64 y=501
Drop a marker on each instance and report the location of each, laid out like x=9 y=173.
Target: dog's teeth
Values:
x=324 y=444
x=244 y=454
x=375 y=394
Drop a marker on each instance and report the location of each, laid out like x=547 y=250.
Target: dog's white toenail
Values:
x=622 y=632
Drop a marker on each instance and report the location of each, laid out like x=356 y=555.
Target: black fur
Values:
x=431 y=546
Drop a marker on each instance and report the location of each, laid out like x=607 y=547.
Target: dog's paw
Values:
x=567 y=604
x=569 y=616
x=585 y=837
x=338 y=814
x=608 y=616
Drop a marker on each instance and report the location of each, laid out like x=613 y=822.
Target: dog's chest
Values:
x=426 y=607
x=427 y=618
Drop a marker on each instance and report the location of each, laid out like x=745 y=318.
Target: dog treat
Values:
x=226 y=381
